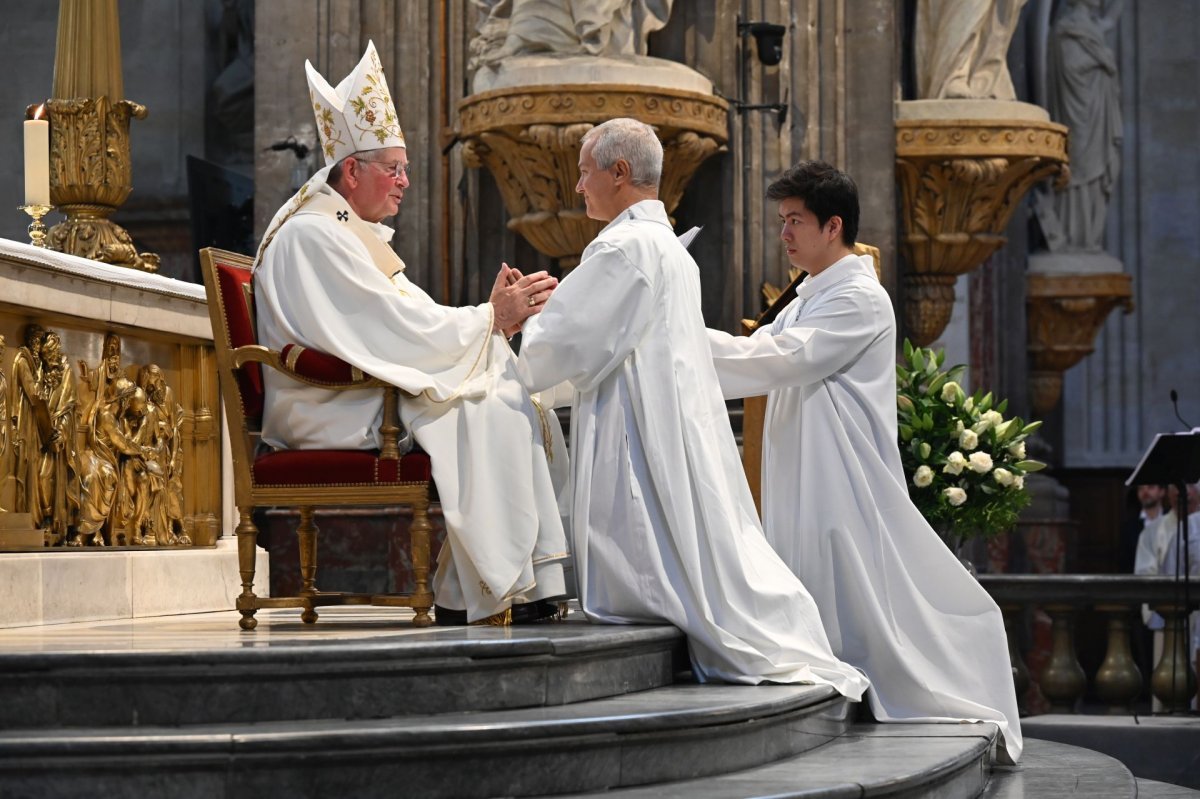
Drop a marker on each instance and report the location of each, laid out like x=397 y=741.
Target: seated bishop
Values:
x=326 y=277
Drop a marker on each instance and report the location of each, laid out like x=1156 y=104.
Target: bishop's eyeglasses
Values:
x=393 y=169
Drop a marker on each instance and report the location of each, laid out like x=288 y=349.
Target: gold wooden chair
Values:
x=305 y=479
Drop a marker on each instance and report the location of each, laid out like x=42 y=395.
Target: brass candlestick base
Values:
x=37 y=230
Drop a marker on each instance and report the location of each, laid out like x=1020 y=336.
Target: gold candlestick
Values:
x=37 y=230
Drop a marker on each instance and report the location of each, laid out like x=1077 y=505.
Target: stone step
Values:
x=949 y=761
x=672 y=733
x=1049 y=768
x=352 y=664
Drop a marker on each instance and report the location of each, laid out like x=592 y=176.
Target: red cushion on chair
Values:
x=319 y=366
x=237 y=301
x=333 y=467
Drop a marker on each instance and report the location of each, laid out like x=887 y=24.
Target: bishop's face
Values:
x=598 y=187
x=381 y=178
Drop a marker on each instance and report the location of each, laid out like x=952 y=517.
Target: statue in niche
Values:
x=961 y=49
x=1083 y=93
x=27 y=438
x=59 y=460
x=612 y=28
x=166 y=417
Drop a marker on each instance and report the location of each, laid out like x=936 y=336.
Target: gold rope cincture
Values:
x=547 y=432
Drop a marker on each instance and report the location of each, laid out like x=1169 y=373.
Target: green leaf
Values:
x=1003 y=406
x=1030 y=466
x=1029 y=428
x=908 y=349
x=906 y=432
x=918 y=360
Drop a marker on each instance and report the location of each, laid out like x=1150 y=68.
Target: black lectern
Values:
x=1174 y=459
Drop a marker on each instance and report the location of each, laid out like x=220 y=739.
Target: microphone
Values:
x=1175 y=405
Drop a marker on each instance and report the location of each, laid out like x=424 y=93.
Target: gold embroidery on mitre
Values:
x=359 y=114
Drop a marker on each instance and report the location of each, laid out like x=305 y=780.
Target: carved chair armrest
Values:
x=307 y=366
x=322 y=370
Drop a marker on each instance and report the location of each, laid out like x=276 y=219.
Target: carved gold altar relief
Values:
x=528 y=137
x=95 y=454
x=1065 y=312
x=960 y=181
x=90 y=172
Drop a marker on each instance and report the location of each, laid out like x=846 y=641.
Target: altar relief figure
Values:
x=27 y=441
x=165 y=418
x=5 y=428
x=961 y=48
x=58 y=467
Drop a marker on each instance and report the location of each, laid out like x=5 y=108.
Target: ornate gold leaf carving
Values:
x=90 y=176
x=1065 y=312
x=528 y=138
x=960 y=182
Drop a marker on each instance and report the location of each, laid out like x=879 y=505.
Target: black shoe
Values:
x=448 y=617
x=522 y=613
x=538 y=611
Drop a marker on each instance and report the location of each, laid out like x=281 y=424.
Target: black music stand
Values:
x=1174 y=459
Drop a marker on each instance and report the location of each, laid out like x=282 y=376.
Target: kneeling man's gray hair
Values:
x=634 y=141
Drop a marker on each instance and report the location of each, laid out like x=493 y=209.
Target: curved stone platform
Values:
x=671 y=733
x=363 y=705
x=353 y=664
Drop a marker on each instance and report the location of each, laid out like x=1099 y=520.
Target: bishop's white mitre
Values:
x=358 y=115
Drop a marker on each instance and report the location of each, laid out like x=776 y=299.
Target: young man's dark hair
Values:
x=826 y=191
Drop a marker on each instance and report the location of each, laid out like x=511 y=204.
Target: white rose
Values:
x=969 y=405
x=955 y=496
x=954 y=463
x=980 y=462
x=1017 y=450
x=950 y=392
x=1018 y=481
x=923 y=476
x=1003 y=476
x=993 y=418
x=967 y=439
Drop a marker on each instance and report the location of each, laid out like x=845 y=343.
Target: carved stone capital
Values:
x=1065 y=312
x=960 y=181
x=528 y=138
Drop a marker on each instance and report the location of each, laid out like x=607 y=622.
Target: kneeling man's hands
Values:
x=516 y=297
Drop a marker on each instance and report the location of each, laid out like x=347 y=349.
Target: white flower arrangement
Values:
x=966 y=460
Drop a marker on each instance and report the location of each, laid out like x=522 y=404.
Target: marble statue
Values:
x=1083 y=93
x=961 y=47
x=612 y=28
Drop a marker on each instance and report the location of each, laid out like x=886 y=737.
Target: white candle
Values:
x=37 y=160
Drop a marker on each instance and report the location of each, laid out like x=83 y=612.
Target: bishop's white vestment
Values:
x=323 y=282
x=663 y=524
x=895 y=601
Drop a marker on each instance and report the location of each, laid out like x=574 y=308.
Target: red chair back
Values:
x=236 y=294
